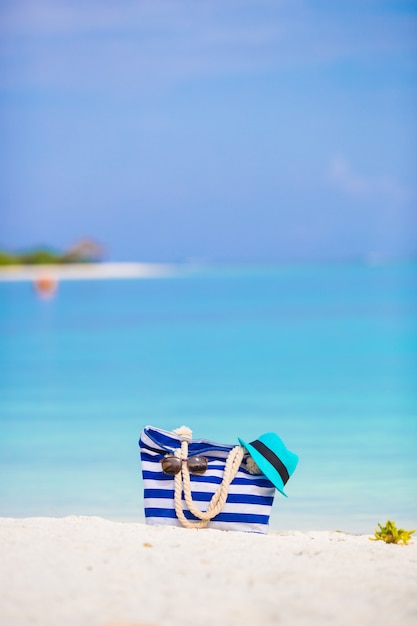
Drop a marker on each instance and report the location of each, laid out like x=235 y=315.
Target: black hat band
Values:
x=272 y=458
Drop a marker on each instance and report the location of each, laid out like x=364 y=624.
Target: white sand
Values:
x=87 y=271
x=89 y=571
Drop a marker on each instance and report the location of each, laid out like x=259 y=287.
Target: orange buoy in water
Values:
x=45 y=286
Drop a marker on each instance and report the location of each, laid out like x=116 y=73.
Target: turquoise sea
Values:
x=324 y=355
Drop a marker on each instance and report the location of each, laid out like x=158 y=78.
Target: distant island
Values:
x=45 y=267
x=84 y=251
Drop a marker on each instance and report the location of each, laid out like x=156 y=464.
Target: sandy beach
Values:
x=86 y=271
x=89 y=571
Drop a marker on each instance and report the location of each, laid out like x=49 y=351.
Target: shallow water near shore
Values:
x=324 y=355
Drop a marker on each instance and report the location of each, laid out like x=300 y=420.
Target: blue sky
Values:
x=233 y=130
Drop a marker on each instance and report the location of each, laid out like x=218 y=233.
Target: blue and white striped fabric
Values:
x=248 y=505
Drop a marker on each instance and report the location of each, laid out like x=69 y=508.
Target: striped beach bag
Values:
x=198 y=483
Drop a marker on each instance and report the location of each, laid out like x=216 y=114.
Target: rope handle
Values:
x=183 y=482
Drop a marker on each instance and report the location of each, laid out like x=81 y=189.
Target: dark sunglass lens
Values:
x=197 y=464
x=171 y=465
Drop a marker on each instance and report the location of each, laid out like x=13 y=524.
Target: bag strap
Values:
x=182 y=481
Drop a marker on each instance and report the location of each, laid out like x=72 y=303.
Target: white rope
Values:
x=182 y=480
x=184 y=431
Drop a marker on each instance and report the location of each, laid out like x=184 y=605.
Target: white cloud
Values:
x=358 y=185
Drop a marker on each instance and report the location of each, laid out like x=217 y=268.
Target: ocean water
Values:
x=324 y=355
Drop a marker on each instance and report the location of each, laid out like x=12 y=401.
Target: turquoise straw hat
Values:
x=273 y=459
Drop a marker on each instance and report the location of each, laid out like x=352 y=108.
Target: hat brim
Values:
x=265 y=467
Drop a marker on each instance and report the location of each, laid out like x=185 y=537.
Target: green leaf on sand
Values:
x=391 y=534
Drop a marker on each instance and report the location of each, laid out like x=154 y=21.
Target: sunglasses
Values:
x=172 y=465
